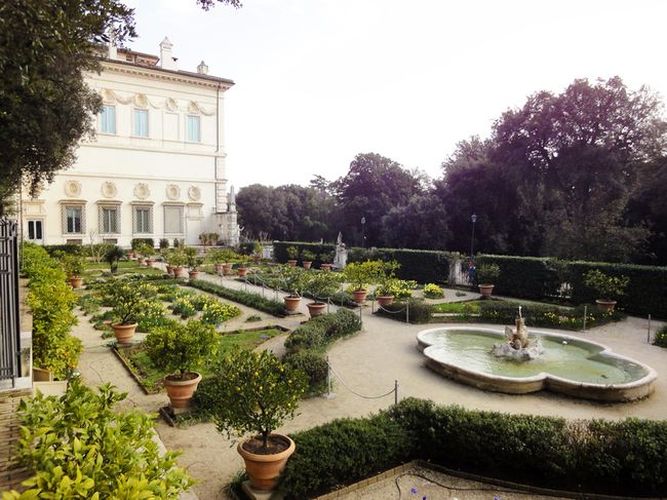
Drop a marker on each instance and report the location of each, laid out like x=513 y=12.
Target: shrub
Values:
x=151 y=316
x=413 y=311
x=293 y=252
x=273 y=307
x=314 y=365
x=487 y=273
x=74 y=264
x=215 y=312
x=136 y=243
x=181 y=347
x=308 y=255
x=400 y=289
x=433 y=291
x=259 y=392
x=78 y=446
x=52 y=303
x=322 y=330
x=661 y=337
x=127 y=299
x=184 y=307
x=342 y=452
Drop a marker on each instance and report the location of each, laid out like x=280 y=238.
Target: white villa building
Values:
x=156 y=167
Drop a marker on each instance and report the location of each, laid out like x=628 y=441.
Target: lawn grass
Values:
x=151 y=377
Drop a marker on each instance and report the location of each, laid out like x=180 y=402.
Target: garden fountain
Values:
x=525 y=363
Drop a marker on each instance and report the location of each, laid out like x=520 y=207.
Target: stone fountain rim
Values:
x=544 y=377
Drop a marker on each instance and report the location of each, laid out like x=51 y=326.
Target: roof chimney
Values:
x=202 y=69
x=167 y=61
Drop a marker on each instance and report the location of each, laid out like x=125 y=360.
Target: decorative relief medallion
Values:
x=73 y=189
x=109 y=190
x=142 y=191
x=173 y=192
x=141 y=101
x=194 y=193
x=170 y=104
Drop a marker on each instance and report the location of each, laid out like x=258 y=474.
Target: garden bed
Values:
x=135 y=359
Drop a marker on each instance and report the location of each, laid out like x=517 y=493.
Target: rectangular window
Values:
x=108 y=120
x=73 y=220
x=143 y=220
x=109 y=217
x=34 y=229
x=140 y=123
x=173 y=220
x=193 y=128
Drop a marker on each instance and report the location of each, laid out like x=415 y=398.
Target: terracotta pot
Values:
x=170 y=270
x=485 y=290
x=124 y=333
x=316 y=308
x=307 y=264
x=243 y=271
x=292 y=303
x=264 y=470
x=180 y=272
x=142 y=261
x=150 y=262
x=291 y=262
x=226 y=269
x=325 y=267
x=360 y=296
x=218 y=269
x=180 y=391
x=605 y=305
x=385 y=300
x=76 y=281
x=194 y=275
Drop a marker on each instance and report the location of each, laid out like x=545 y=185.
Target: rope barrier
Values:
x=364 y=396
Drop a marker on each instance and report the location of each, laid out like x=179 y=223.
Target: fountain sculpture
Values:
x=518 y=346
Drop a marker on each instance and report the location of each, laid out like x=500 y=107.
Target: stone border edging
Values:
x=406 y=467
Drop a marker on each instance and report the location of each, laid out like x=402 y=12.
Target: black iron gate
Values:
x=10 y=325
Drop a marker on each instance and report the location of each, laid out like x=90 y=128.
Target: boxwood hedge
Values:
x=627 y=457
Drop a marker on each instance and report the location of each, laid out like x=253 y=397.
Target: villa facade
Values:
x=156 y=166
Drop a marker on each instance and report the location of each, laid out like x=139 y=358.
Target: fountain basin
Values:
x=570 y=365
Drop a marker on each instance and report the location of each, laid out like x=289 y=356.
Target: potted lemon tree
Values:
x=180 y=349
x=320 y=285
x=293 y=256
x=291 y=279
x=307 y=258
x=608 y=288
x=259 y=394
x=74 y=265
x=128 y=300
x=487 y=274
x=360 y=275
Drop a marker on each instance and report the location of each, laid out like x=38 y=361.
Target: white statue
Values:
x=340 y=260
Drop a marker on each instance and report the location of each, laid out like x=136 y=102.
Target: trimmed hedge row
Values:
x=626 y=457
x=306 y=345
x=249 y=299
x=534 y=278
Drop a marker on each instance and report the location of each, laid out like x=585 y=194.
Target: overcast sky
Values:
x=318 y=81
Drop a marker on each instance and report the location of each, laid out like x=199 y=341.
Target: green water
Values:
x=576 y=361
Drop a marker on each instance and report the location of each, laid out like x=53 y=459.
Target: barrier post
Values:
x=395 y=392
x=407 y=311
x=648 y=333
x=585 y=314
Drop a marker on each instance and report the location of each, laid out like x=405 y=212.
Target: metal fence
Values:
x=10 y=327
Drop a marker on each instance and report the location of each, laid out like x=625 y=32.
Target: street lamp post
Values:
x=363 y=232
x=473 y=219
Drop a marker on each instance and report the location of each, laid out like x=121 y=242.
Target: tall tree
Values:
x=577 y=155
x=45 y=105
x=370 y=189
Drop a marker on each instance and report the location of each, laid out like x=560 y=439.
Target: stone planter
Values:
x=292 y=304
x=486 y=290
x=292 y=262
x=76 y=281
x=385 y=300
x=605 y=305
x=316 y=308
x=307 y=264
x=243 y=272
x=180 y=391
x=360 y=296
x=264 y=470
x=124 y=333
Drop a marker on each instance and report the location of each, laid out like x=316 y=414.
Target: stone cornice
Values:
x=157 y=73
